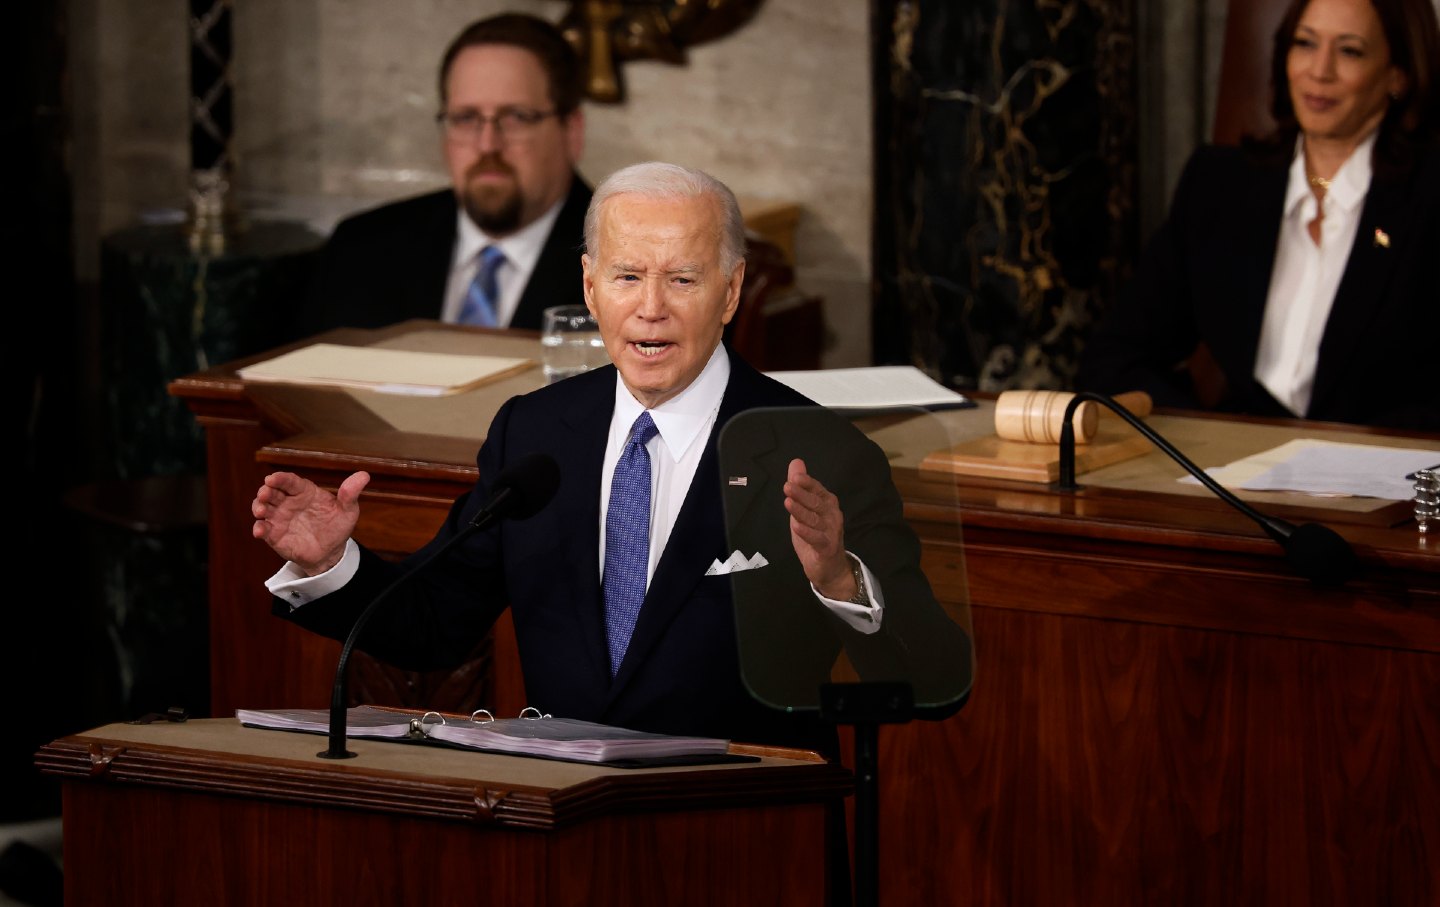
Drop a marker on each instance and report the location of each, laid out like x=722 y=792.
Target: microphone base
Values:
x=343 y=754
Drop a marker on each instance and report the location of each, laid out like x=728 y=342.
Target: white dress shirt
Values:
x=1306 y=276
x=522 y=250
x=683 y=424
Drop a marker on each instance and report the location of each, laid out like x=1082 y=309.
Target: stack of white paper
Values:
x=384 y=370
x=878 y=387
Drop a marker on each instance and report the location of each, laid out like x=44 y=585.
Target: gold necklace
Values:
x=1320 y=182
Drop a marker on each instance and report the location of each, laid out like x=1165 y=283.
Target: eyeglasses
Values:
x=513 y=124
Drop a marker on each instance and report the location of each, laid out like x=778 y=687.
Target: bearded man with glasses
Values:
x=502 y=243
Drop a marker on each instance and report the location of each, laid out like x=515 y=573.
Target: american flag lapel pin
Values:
x=739 y=481
x=1382 y=239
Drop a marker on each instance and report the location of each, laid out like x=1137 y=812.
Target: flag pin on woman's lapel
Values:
x=739 y=480
x=1382 y=239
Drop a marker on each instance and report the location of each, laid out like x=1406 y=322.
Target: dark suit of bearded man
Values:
x=392 y=264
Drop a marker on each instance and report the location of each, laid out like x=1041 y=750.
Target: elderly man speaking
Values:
x=618 y=613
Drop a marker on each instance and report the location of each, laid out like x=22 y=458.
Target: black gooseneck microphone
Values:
x=520 y=491
x=1314 y=551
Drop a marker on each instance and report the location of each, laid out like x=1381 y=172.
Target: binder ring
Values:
x=485 y=712
x=417 y=725
x=535 y=717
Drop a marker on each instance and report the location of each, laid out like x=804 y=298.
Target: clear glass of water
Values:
x=570 y=342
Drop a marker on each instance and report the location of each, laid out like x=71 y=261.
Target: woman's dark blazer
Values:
x=1203 y=280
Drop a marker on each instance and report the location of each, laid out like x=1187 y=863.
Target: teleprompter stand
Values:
x=904 y=653
x=864 y=707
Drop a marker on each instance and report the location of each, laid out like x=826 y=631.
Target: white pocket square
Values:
x=735 y=563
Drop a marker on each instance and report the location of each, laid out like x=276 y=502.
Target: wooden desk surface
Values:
x=441 y=434
x=1163 y=712
x=420 y=453
x=220 y=755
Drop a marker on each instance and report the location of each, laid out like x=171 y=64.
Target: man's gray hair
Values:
x=654 y=179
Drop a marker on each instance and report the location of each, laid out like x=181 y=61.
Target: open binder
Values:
x=530 y=734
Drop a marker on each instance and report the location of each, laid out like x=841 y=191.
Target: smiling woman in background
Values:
x=1300 y=276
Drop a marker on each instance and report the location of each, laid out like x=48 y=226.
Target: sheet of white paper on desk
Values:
x=1318 y=467
x=383 y=370
x=873 y=387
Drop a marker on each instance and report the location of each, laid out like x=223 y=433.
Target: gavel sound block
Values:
x=1026 y=443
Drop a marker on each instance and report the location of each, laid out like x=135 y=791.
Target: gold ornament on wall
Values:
x=608 y=32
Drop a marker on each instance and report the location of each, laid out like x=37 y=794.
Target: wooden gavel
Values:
x=1037 y=416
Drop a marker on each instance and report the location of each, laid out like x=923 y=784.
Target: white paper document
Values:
x=1329 y=468
x=872 y=388
x=383 y=370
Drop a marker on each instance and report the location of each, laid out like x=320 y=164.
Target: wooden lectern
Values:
x=210 y=812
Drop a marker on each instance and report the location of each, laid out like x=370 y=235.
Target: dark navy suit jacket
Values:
x=391 y=264
x=681 y=673
x=1206 y=274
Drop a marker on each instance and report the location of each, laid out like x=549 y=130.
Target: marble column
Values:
x=1005 y=179
x=212 y=216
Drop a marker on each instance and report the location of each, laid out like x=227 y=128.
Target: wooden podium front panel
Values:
x=212 y=813
x=1102 y=762
x=143 y=846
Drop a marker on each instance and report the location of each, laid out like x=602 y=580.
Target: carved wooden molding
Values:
x=608 y=32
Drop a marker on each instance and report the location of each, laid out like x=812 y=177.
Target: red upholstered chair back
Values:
x=766 y=271
x=776 y=326
x=1242 y=104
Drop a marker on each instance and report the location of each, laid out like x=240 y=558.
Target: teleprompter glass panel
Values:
x=912 y=621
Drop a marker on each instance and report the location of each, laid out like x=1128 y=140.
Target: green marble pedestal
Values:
x=168 y=312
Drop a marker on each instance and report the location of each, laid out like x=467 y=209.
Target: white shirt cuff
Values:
x=861 y=618
x=298 y=589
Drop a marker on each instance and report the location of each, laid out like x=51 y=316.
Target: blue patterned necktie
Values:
x=627 y=540
x=484 y=293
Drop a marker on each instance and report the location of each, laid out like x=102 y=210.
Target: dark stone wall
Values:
x=1005 y=183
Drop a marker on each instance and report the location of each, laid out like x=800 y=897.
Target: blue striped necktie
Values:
x=627 y=540
x=484 y=293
